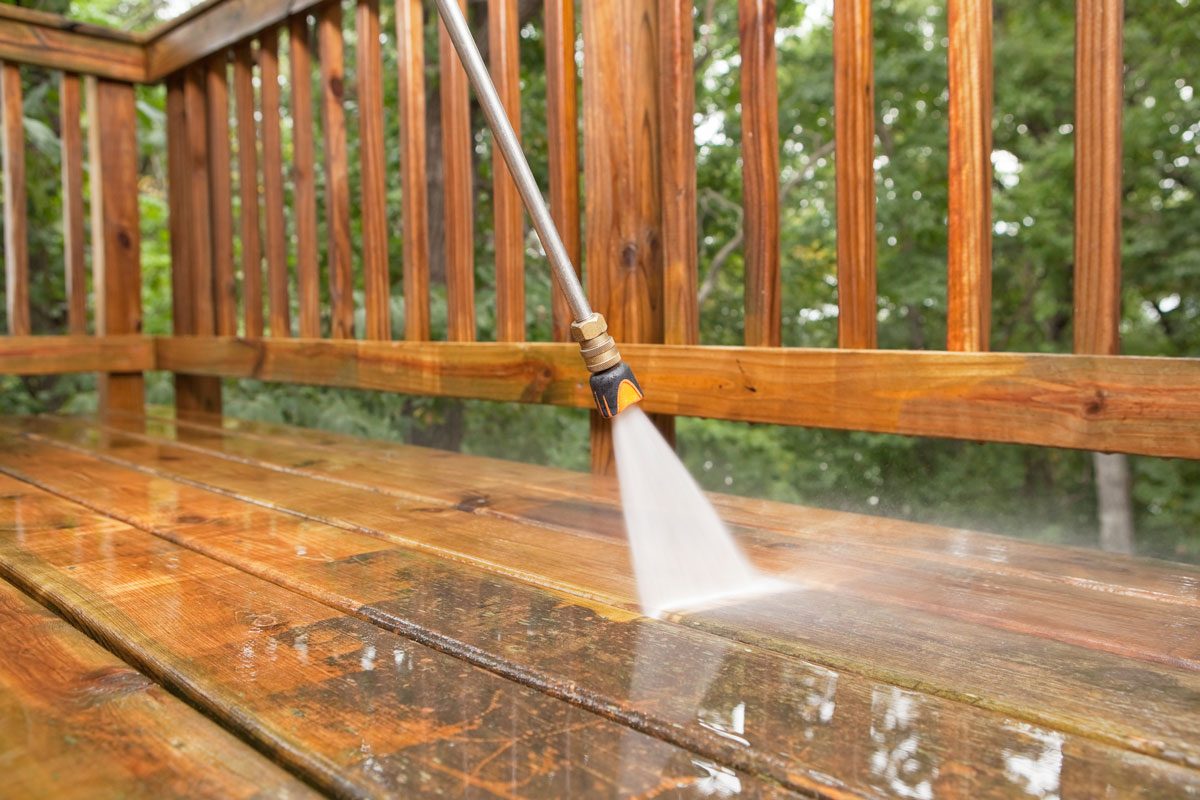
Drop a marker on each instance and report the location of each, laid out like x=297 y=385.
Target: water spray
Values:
x=614 y=387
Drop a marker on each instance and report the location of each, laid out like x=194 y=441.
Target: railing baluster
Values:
x=410 y=59
x=504 y=54
x=562 y=131
x=277 y=268
x=337 y=173
x=69 y=107
x=247 y=137
x=220 y=183
x=458 y=223
x=854 y=117
x=195 y=107
x=969 y=228
x=182 y=311
x=376 y=280
x=760 y=172
x=16 y=242
x=681 y=324
x=1098 y=99
x=304 y=185
x=116 y=232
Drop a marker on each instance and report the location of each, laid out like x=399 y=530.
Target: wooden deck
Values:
x=255 y=609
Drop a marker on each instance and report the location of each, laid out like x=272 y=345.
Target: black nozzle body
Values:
x=615 y=389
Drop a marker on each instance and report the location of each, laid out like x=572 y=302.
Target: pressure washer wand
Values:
x=613 y=384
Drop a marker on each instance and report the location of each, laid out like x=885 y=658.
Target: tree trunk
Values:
x=1113 y=501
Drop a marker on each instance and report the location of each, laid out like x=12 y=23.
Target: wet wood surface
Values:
x=748 y=707
x=77 y=722
x=979 y=650
x=353 y=708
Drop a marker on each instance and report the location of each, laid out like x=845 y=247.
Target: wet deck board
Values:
x=724 y=702
x=555 y=498
x=76 y=722
x=355 y=709
x=840 y=725
x=1136 y=704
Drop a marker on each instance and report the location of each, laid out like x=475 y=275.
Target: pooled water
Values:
x=683 y=555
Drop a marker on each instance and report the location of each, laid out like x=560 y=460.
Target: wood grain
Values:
x=677 y=101
x=1099 y=98
x=646 y=674
x=48 y=40
x=304 y=182
x=1095 y=616
x=201 y=291
x=969 y=226
x=504 y=55
x=410 y=64
x=76 y=721
x=70 y=106
x=1128 y=704
x=458 y=191
x=562 y=134
x=354 y=709
x=854 y=121
x=377 y=284
x=760 y=172
x=622 y=171
x=220 y=183
x=554 y=498
x=195 y=392
x=339 y=249
x=1125 y=404
x=16 y=221
x=214 y=26
x=52 y=355
x=272 y=150
x=116 y=230
x=248 y=188
x=178 y=206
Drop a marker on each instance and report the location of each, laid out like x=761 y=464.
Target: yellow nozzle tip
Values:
x=628 y=394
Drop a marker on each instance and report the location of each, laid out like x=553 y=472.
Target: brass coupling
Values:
x=598 y=349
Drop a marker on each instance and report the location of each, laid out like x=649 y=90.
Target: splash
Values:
x=683 y=555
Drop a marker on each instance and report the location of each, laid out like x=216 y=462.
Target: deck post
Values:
x=191 y=235
x=622 y=171
x=116 y=233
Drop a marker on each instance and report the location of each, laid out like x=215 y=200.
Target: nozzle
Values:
x=615 y=389
x=598 y=349
x=613 y=384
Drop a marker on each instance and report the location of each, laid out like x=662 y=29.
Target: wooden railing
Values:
x=95 y=67
x=226 y=118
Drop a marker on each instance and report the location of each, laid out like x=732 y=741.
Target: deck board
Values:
x=557 y=498
x=364 y=547
x=77 y=722
x=1142 y=706
x=973 y=592
x=629 y=668
x=356 y=709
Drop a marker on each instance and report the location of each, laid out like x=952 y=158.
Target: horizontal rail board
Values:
x=53 y=355
x=213 y=28
x=1147 y=406
x=48 y=40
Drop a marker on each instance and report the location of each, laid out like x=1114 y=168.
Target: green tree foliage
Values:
x=1035 y=492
